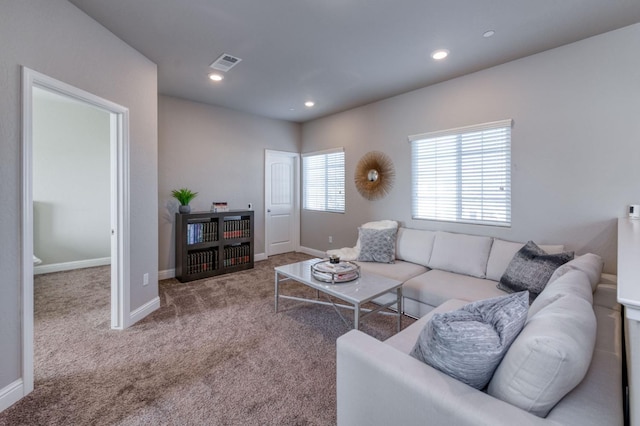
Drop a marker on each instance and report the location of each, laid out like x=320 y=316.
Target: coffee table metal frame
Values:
x=358 y=292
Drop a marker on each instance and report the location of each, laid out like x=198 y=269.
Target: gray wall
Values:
x=57 y=39
x=220 y=154
x=71 y=180
x=575 y=145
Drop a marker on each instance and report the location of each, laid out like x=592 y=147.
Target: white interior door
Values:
x=282 y=211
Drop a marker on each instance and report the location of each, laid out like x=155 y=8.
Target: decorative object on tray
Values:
x=374 y=175
x=334 y=273
x=184 y=196
x=334 y=259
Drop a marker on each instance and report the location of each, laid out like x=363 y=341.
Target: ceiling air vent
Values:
x=225 y=62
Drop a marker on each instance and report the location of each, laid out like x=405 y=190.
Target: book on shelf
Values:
x=202 y=261
x=237 y=228
x=202 y=232
x=237 y=255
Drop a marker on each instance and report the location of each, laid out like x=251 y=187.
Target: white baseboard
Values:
x=68 y=266
x=144 y=310
x=11 y=394
x=312 y=252
x=166 y=274
x=260 y=257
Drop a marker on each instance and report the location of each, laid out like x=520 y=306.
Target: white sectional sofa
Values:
x=575 y=323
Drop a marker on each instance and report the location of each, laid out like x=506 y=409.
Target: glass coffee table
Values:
x=357 y=292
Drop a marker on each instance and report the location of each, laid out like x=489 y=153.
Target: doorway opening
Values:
x=118 y=210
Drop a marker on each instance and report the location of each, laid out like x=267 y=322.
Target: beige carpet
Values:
x=215 y=353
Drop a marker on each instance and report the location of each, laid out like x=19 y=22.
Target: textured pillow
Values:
x=503 y=251
x=469 y=343
x=591 y=264
x=549 y=358
x=530 y=269
x=377 y=245
x=460 y=253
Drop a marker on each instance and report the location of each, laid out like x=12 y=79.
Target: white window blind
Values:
x=323 y=175
x=463 y=174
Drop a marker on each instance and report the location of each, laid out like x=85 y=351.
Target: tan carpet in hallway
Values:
x=215 y=353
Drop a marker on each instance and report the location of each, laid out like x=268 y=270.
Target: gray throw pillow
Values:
x=530 y=269
x=377 y=245
x=469 y=343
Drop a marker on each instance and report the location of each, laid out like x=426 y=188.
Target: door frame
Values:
x=296 y=194
x=120 y=219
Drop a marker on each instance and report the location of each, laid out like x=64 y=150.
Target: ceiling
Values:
x=339 y=53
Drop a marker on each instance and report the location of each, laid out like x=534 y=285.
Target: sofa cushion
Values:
x=399 y=270
x=549 y=358
x=414 y=245
x=460 y=253
x=530 y=269
x=469 y=343
x=606 y=295
x=574 y=282
x=436 y=287
x=377 y=245
x=591 y=264
x=503 y=251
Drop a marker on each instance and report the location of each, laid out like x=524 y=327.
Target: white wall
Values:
x=575 y=144
x=57 y=39
x=71 y=180
x=220 y=154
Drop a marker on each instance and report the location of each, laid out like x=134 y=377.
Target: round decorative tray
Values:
x=335 y=272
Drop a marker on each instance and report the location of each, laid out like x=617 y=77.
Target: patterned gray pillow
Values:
x=468 y=344
x=530 y=269
x=377 y=245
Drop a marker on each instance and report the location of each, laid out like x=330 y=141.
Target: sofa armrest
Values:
x=379 y=385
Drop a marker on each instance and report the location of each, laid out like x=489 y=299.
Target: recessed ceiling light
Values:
x=488 y=34
x=215 y=76
x=439 y=54
x=309 y=104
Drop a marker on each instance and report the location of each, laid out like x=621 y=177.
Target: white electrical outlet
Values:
x=330 y=239
x=145 y=279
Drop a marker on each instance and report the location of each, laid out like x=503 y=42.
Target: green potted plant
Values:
x=184 y=196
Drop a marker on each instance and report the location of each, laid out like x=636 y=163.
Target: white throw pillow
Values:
x=591 y=264
x=573 y=282
x=549 y=358
x=460 y=253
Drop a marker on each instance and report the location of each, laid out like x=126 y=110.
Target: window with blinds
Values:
x=323 y=181
x=463 y=174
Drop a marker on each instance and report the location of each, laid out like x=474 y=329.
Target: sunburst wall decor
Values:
x=374 y=175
